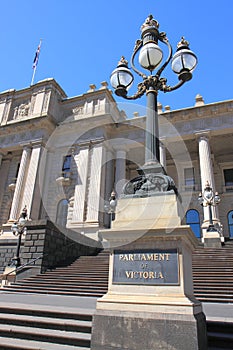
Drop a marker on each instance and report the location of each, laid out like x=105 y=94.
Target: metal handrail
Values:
x=32 y=261
x=22 y=266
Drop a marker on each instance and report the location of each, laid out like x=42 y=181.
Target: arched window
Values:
x=62 y=211
x=230 y=223
x=193 y=219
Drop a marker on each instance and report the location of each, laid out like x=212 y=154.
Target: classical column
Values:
x=95 y=193
x=81 y=161
x=120 y=172
x=1 y=156
x=31 y=197
x=109 y=182
x=207 y=174
x=14 y=213
x=162 y=152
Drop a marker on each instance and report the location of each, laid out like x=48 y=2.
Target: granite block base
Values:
x=137 y=332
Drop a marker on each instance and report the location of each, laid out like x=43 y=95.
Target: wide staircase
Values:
x=213 y=274
x=88 y=277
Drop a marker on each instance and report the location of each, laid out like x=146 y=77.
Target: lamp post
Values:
x=209 y=199
x=183 y=63
x=110 y=207
x=18 y=228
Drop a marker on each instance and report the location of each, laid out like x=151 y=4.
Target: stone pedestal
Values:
x=150 y=302
x=212 y=239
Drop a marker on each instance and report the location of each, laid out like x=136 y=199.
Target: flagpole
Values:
x=35 y=62
x=33 y=75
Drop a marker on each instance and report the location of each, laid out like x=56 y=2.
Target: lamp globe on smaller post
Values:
x=184 y=61
x=15 y=229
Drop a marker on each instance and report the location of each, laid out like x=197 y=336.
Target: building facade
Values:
x=62 y=157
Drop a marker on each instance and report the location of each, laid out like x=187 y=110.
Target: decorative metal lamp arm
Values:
x=141 y=91
x=163 y=38
x=137 y=47
x=168 y=88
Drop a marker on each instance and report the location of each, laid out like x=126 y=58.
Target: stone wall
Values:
x=54 y=248
x=7 y=252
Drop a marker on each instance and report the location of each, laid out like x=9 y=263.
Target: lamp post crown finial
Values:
x=123 y=61
x=150 y=22
x=183 y=42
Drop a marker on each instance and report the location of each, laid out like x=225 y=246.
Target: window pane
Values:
x=66 y=163
x=62 y=211
x=192 y=216
x=189 y=176
x=231 y=231
x=193 y=219
x=196 y=230
x=230 y=217
x=228 y=177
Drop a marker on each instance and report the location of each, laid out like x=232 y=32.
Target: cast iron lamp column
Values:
x=209 y=199
x=18 y=229
x=183 y=63
x=110 y=207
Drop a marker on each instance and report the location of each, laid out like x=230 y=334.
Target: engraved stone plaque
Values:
x=146 y=267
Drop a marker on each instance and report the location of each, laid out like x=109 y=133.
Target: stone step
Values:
x=56 y=292
x=65 y=286
x=64 y=324
x=21 y=344
x=53 y=311
x=49 y=335
x=207 y=291
x=216 y=272
x=220 y=335
x=68 y=281
x=79 y=274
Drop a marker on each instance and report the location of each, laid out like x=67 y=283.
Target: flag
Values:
x=36 y=56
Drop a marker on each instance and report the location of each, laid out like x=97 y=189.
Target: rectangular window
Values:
x=228 y=179
x=66 y=166
x=189 y=179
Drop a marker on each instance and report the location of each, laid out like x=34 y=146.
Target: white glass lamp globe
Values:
x=184 y=61
x=150 y=56
x=121 y=77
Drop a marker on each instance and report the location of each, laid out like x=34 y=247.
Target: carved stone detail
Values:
x=21 y=111
x=78 y=110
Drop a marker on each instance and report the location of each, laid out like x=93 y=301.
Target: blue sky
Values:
x=82 y=42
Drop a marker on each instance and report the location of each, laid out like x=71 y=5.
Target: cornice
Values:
x=206 y=111
x=26 y=125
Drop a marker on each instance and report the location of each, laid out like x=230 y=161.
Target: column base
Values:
x=212 y=239
x=6 y=232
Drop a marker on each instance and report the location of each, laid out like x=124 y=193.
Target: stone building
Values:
x=62 y=157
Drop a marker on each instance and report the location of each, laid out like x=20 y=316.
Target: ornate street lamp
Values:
x=110 y=206
x=183 y=63
x=18 y=228
x=209 y=199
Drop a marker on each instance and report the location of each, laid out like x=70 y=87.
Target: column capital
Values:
x=162 y=142
x=37 y=143
x=203 y=135
x=26 y=145
x=118 y=147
